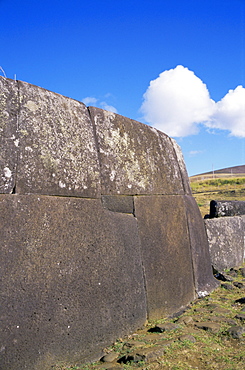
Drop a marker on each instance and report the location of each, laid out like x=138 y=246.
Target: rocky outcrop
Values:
x=99 y=229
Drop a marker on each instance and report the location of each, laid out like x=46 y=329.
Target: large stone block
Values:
x=226 y=241
x=71 y=280
x=8 y=134
x=221 y=208
x=166 y=253
x=135 y=158
x=58 y=155
x=203 y=274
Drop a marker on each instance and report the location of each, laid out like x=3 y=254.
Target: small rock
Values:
x=200 y=310
x=242 y=271
x=240 y=300
x=133 y=343
x=227 y=286
x=208 y=326
x=187 y=337
x=232 y=272
x=238 y=284
x=153 y=337
x=240 y=316
x=110 y=357
x=132 y=357
x=221 y=310
x=212 y=306
x=230 y=322
x=164 y=327
x=185 y=320
x=243 y=309
x=236 y=332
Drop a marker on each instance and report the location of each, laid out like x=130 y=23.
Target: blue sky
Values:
x=107 y=52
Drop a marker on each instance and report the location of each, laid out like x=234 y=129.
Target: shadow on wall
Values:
x=99 y=229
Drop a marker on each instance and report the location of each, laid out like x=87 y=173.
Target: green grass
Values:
x=217 y=189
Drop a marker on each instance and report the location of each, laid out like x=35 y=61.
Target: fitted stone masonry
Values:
x=98 y=228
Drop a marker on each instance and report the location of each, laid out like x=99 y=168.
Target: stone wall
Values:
x=98 y=228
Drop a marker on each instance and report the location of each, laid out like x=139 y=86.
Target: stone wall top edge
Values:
x=128 y=118
x=19 y=82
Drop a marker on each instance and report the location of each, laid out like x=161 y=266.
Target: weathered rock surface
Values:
x=227 y=208
x=165 y=252
x=9 y=141
x=98 y=228
x=58 y=257
x=226 y=241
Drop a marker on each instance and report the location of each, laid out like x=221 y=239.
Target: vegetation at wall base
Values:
x=232 y=188
x=210 y=335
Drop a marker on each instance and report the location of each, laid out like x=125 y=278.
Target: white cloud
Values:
x=89 y=100
x=230 y=113
x=177 y=102
x=193 y=153
x=108 y=107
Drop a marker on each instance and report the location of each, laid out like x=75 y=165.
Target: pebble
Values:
x=208 y=326
x=241 y=317
x=189 y=337
x=238 y=285
x=236 y=332
x=165 y=327
x=227 y=286
x=110 y=357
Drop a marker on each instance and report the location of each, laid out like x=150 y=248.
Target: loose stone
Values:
x=110 y=357
x=208 y=326
x=241 y=317
x=165 y=327
x=187 y=337
x=238 y=285
x=185 y=320
x=227 y=286
x=242 y=271
x=236 y=332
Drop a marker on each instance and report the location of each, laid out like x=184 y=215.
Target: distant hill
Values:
x=224 y=172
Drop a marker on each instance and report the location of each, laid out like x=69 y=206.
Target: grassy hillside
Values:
x=217 y=189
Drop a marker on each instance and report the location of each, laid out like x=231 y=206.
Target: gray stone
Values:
x=236 y=332
x=146 y=354
x=75 y=276
x=9 y=142
x=118 y=203
x=237 y=284
x=187 y=337
x=226 y=241
x=227 y=286
x=226 y=208
x=58 y=154
x=110 y=357
x=165 y=327
x=242 y=270
x=166 y=253
x=203 y=275
x=208 y=326
x=241 y=317
x=187 y=320
x=135 y=158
